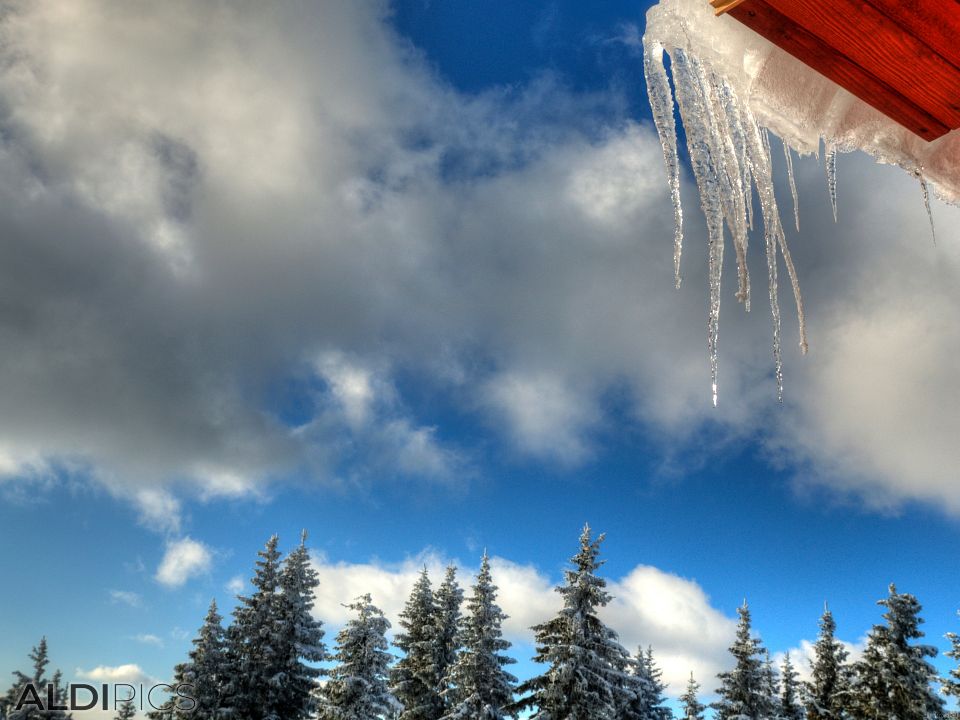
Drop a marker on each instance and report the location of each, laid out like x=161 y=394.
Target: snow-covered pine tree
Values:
x=206 y=669
x=828 y=689
x=299 y=637
x=170 y=709
x=893 y=678
x=644 y=697
x=690 y=701
x=357 y=687
x=586 y=673
x=39 y=683
x=480 y=687
x=791 y=707
x=951 y=683
x=413 y=679
x=255 y=658
x=126 y=711
x=167 y=711
x=448 y=600
x=770 y=687
x=744 y=692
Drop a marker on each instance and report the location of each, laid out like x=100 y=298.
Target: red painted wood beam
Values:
x=883 y=48
x=934 y=22
x=792 y=36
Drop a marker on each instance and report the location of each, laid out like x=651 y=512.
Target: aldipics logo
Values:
x=81 y=696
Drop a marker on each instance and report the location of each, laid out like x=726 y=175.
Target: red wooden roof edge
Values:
x=900 y=56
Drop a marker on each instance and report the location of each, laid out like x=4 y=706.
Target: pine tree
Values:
x=206 y=670
x=126 y=711
x=480 y=687
x=255 y=656
x=299 y=637
x=773 y=709
x=357 y=688
x=644 y=690
x=414 y=680
x=951 y=684
x=28 y=688
x=171 y=708
x=447 y=601
x=690 y=702
x=744 y=691
x=828 y=689
x=790 y=706
x=586 y=664
x=893 y=678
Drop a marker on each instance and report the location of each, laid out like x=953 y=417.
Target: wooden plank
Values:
x=934 y=22
x=872 y=40
x=807 y=47
x=724 y=6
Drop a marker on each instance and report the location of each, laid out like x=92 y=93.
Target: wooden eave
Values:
x=900 y=56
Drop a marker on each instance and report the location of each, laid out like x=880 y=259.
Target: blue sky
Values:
x=401 y=275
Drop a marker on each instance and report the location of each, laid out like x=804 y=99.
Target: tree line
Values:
x=453 y=660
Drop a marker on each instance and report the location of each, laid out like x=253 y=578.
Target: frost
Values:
x=732 y=88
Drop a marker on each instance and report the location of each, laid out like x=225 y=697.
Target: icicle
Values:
x=729 y=155
x=926 y=202
x=797 y=297
x=793 y=184
x=762 y=170
x=661 y=104
x=693 y=111
x=724 y=137
x=832 y=177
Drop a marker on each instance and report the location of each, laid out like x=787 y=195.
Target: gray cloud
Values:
x=201 y=202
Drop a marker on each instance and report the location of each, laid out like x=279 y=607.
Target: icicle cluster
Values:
x=730 y=155
x=731 y=86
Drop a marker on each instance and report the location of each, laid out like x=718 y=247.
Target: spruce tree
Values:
x=171 y=709
x=690 y=702
x=357 y=687
x=951 y=684
x=480 y=687
x=255 y=658
x=790 y=705
x=643 y=699
x=30 y=687
x=893 y=678
x=126 y=711
x=206 y=670
x=770 y=688
x=585 y=673
x=299 y=637
x=414 y=680
x=828 y=689
x=447 y=601
x=744 y=691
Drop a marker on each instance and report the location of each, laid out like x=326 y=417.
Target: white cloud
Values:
x=126 y=597
x=235 y=585
x=182 y=560
x=362 y=413
x=130 y=673
x=650 y=607
x=149 y=639
x=803 y=656
x=159 y=509
x=352 y=386
x=544 y=416
x=674 y=615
